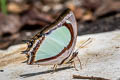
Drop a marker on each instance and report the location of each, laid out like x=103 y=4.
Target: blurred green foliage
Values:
x=3 y=6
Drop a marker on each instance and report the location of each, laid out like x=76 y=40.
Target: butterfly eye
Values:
x=30 y=44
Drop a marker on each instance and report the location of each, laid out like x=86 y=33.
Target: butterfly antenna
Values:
x=88 y=41
x=24 y=52
x=25 y=41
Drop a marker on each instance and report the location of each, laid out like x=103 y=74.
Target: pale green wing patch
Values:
x=54 y=43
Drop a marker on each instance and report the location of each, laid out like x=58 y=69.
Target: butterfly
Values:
x=55 y=43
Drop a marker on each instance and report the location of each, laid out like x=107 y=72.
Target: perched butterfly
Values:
x=55 y=43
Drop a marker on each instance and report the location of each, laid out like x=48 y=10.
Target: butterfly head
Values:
x=29 y=46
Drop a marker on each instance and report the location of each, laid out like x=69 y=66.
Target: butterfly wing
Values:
x=57 y=41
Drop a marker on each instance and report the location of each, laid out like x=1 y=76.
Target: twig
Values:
x=86 y=77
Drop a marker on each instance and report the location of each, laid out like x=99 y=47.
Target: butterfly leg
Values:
x=54 y=68
x=75 y=66
x=79 y=62
x=75 y=55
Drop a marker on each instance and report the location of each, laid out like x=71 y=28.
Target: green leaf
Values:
x=3 y=6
